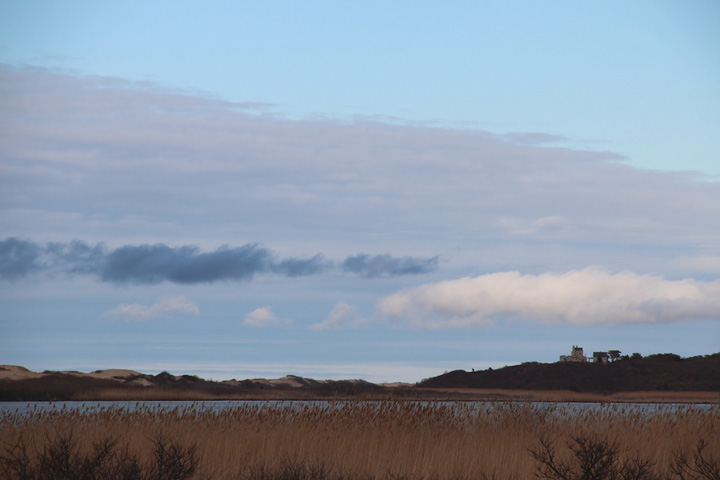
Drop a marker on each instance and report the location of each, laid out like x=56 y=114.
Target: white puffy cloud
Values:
x=590 y=296
x=163 y=307
x=261 y=317
x=343 y=315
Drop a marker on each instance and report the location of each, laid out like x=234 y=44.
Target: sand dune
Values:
x=132 y=377
x=16 y=372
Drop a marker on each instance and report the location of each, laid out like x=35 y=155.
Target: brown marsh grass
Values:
x=390 y=439
x=498 y=394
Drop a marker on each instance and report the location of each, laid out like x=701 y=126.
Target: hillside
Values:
x=20 y=384
x=655 y=372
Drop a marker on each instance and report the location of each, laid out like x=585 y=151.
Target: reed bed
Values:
x=388 y=439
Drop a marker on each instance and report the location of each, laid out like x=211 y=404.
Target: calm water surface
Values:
x=7 y=408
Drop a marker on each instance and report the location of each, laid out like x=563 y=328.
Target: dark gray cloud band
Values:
x=387 y=265
x=185 y=265
x=152 y=264
x=18 y=258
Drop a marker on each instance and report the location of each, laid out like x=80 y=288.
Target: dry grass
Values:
x=379 y=439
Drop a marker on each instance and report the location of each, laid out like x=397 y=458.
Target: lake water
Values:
x=8 y=408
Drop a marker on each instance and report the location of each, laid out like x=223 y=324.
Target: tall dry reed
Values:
x=378 y=439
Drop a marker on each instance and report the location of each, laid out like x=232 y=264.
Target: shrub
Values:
x=62 y=459
x=698 y=467
x=600 y=459
x=592 y=459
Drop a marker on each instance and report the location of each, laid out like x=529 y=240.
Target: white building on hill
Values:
x=576 y=356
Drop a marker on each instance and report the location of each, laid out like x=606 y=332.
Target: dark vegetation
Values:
x=661 y=372
x=594 y=458
x=586 y=458
x=52 y=386
x=635 y=373
x=61 y=459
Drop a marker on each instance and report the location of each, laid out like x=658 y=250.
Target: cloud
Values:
x=387 y=265
x=535 y=227
x=297 y=267
x=261 y=317
x=139 y=264
x=590 y=296
x=152 y=264
x=185 y=265
x=343 y=315
x=172 y=162
x=18 y=258
x=533 y=138
x=165 y=306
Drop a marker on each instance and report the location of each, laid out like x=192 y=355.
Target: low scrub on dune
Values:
x=364 y=441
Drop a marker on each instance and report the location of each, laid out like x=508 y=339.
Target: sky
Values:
x=375 y=190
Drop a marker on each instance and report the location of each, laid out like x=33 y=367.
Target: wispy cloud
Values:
x=175 y=162
x=300 y=267
x=20 y=258
x=261 y=317
x=387 y=265
x=152 y=264
x=165 y=306
x=590 y=296
x=535 y=227
x=343 y=315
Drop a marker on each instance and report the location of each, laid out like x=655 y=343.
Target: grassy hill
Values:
x=655 y=372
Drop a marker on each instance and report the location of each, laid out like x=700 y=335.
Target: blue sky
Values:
x=341 y=190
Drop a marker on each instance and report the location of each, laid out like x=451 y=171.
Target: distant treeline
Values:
x=665 y=371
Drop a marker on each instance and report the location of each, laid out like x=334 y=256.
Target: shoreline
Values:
x=395 y=395
x=18 y=384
